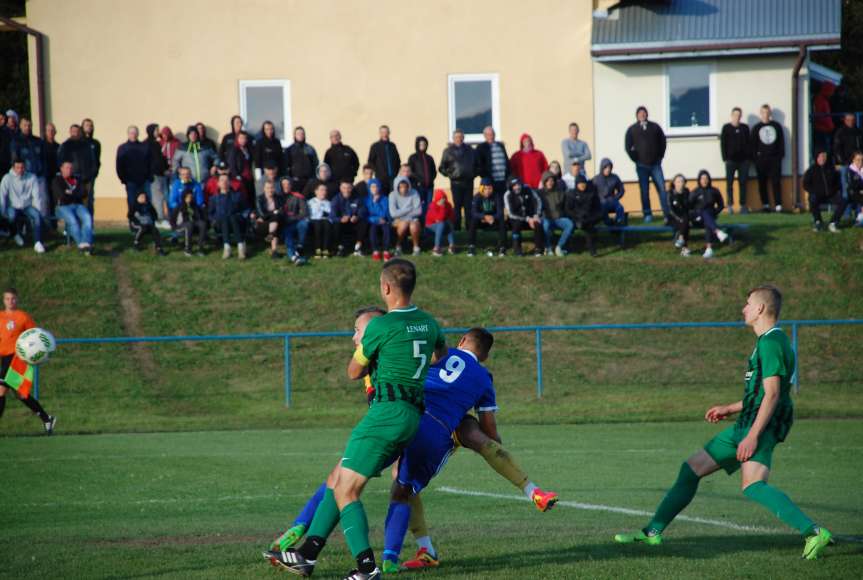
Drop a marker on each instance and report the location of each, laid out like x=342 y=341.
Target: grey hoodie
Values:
x=404 y=207
x=610 y=187
x=20 y=192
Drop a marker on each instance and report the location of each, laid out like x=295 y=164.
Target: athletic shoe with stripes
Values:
x=543 y=500
x=291 y=561
x=357 y=575
x=50 y=424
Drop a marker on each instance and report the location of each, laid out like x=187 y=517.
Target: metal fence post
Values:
x=794 y=345
x=287 y=370
x=538 y=363
x=36 y=382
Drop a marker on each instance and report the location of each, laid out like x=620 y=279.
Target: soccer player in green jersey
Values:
x=764 y=418
x=398 y=348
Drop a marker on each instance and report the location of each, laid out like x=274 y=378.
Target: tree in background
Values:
x=848 y=60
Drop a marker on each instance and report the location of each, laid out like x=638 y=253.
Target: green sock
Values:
x=326 y=517
x=677 y=498
x=780 y=505
x=356 y=527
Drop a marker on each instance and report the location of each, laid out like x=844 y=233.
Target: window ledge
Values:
x=700 y=135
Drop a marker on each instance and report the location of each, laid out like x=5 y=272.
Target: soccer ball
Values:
x=35 y=345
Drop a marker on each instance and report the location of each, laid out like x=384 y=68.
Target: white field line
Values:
x=613 y=509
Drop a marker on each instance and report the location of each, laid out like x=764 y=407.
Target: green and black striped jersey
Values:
x=772 y=357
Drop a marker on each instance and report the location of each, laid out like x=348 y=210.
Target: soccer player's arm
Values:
x=486 y=408
x=358 y=367
x=772 y=368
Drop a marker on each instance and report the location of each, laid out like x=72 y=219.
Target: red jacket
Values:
x=211 y=188
x=439 y=213
x=528 y=166
x=821 y=108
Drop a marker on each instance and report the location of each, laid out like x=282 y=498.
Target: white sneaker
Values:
x=163 y=225
x=779 y=209
x=241 y=250
x=708 y=253
x=832 y=228
x=859 y=220
x=226 y=251
x=721 y=236
x=19 y=241
x=558 y=251
x=40 y=249
x=685 y=252
x=678 y=243
x=417 y=251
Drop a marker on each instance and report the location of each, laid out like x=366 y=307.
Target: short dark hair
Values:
x=17 y=160
x=10 y=290
x=771 y=296
x=387 y=127
x=766 y=106
x=368 y=310
x=737 y=109
x=369 y=167
x=481 y=338
x=641 y=108
x=402 y=274
x=574 y=124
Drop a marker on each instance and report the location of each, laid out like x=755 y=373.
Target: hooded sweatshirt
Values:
x=437 y=213
x=377 y=209
x=678 y=203
x=706 y=198
x=607 y=187
x=528 y=166
x=300 y=160
x=821 y=180
x=267 y=152
x=522 y=205
x=197 y=158
x=582 y=207
x=168 y=145
x=20 y=192
x=331 y=183
x=158 y=165
x=422 y=165
x=821 y=108
x=404 y=207
x=552 y=199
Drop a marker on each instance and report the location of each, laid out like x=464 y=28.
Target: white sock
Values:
x=529 y=489
x=425 y=542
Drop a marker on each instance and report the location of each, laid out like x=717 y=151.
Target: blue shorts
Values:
x=426 y=455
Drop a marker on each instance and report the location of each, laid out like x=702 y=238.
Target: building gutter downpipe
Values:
x=40 y=67
x=795 y=127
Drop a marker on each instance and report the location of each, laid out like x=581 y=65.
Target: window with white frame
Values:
x=474 y=103
x=266 y=101
x=690 y=90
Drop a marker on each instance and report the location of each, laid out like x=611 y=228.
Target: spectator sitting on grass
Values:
x=142 y=220
x=609 y=188
x=678 y=213
x=189 y=216
x=21 y=203
x=320 y=209
x=707 y=204
x=487 y=214
x=226 y=214
x=821 y=181
x=552 y=215
x=440 y=219
x=581 y=205
x=405 y=210
x=349 y=226
x=268 y=215
x=295 y=221
x=525 y=213
x=378 y=215
x=69 y=201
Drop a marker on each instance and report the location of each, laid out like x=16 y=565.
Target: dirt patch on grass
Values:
x=130 y=312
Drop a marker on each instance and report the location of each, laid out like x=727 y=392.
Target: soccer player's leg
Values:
x=754 y=475
x=469 y=435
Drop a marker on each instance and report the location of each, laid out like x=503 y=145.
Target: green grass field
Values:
x=202 y=505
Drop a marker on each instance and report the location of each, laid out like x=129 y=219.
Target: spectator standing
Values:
x=32 y=150
x=457 y=163
x=6 y=136
x=645 y=144
x=848 y=139
x=300 y=161
x=87 y=130
x=20 y=203
x=706 y=203
x=194 y=156
x=296 y=222
x=735 y=146
x=168 y=146
x=267 y=151
x=440 y=219
x=230 y=138
x=349 y=226
x=405 y=209
x=609 y=190
x=821 y=181
x=552 y=215
x=423 y=170
x=240 y=166
x=52 y=150
x=320 y=209
x=528 y=163
x=378 y=215
x=581 y=205
x=525 y=213
x=206 y=142
x=678 y=213
x=134 y=166
x=142 y=221
x=384 y=158
x=487 y=214
x=341 y=158
x=226 y=214
x=823 y=125
x=69 y=200
x=492 y=161
x=158 y=171
x=768 y=148
x=80 y=153
x=574 y=149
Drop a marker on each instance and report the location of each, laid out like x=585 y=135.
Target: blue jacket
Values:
x=342 y=206
x=32 y=150
x=175 y=195
x=225 y=205
x=375 y=210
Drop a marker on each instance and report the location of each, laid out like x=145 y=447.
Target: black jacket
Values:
x=300 y=160
x=734 y=142
x=268 y=151
x=343 y=161
x=846 y=141
x=457 y=163
x=66 y=193
x=821 y=181
x=384 y=157
x=239 y=162
x=262 y=210
x=193 y=213
x=142 y=214
x=645 y=145
x=96 y=147
x=80 y=153
x=52 y=163
x=768 y=141
x=582 y=207
x=678 y=204
x=5 y=150
x=483 y=206
x=522 y=205
x=423 y=169
x=855 y=187
x=482 y=160
x=158 y=164
x=705 y=198
x=133 y=162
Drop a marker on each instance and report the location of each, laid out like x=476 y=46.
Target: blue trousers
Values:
x=295 y=235
x=79 y=222
x=645 y=174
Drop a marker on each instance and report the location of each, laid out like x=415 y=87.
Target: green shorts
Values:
x=723 y=448
x=380 y=436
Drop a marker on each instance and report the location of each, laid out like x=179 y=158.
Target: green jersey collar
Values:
x=410 y=308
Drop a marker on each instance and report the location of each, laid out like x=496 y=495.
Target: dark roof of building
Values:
x=633 y=29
